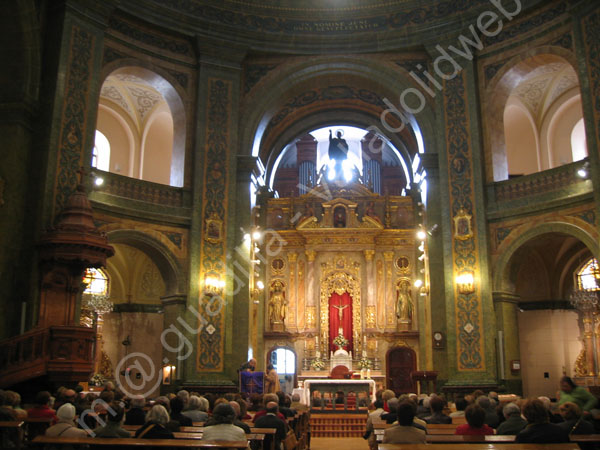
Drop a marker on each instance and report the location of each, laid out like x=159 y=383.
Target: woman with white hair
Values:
x=194 y=411
x=155 y=426
x=66 y=425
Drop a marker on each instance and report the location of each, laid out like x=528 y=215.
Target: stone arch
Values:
x=174 y=96
x=268 y=95
x=496 y=96
x=502 y=275
x=164 y=259
x=22 y=58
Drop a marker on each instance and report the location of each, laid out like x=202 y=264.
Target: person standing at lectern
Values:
x=249 y=366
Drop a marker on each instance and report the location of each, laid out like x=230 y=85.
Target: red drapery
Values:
x=345 y=302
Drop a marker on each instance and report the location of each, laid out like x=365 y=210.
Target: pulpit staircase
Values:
x=337 y=425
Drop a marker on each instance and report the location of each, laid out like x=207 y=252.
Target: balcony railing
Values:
x=548 y=181
x=140 y=190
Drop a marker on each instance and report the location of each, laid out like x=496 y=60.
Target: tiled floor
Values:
x=338 y=443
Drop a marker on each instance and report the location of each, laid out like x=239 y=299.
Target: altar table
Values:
x=333 y=386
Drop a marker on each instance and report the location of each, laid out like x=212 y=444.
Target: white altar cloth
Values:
x=305 y=394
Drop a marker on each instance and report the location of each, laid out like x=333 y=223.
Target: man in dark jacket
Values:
x=270 y=420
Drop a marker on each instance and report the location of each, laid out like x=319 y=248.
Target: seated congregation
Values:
x=481 y=417
x=188 y=419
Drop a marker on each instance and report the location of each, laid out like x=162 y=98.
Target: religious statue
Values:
x=404 y=305
x=370 y=211
x=338 y=152
x=277 y=304
x=339 y=217
x=308 y=211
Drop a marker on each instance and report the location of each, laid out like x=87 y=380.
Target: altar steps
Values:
x=338 y=425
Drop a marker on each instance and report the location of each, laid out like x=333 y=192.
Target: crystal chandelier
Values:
x=584 y=300
x=100 y=304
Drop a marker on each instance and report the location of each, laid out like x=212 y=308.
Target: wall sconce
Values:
x=213 y=285
x=465 y=282
x=168 y=373
x=421 y=235
x=584 y=171
x=256 y=291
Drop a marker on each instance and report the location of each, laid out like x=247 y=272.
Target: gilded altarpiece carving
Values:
x=291 y=323
x=340 y=275
x=301 y=297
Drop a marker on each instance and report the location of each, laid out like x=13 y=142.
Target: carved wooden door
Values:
x=401 y=361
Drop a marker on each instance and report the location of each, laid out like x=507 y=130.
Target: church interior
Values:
x=396 y=191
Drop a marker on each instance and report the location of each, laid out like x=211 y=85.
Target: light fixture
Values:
x=421 y=235
x=418 y=283
x=256 y=235
x=168 y=373
x=213 y=285
x=465 y=282
x=584 y=171
x=99 y=181
x=432 y=229
x=260 y=285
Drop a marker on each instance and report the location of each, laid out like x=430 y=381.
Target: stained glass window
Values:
x=96 y=281
x=588 y=276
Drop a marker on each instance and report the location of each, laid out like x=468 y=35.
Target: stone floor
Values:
x=338 y=443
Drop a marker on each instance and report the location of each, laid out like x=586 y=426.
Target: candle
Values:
x=340 y=330
x=317 y=341
x=369 y=373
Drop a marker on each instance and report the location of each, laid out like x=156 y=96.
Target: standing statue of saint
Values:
x=404 y=305
x=277 y=304
x=338 y=152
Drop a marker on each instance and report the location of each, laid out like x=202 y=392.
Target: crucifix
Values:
x=340 y=309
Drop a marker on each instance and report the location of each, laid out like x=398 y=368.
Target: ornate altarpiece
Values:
x=366 y=254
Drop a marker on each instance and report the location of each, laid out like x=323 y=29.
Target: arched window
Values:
x=284 y=361
x=96 y=282
x=578 y=142
x=101 y=152
x=588 y=276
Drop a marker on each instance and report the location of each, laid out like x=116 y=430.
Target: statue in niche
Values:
x=404 y=305
x=339 y=217
x=277 y=304
x=308 y=212
x=370 y=211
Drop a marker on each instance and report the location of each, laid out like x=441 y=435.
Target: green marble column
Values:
x=213 y=237
x=436 y=301
x=470 y=315
x=507 y=308
x=586 y=28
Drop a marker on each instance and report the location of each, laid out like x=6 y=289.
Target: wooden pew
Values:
x=36 y=427
x=585 y=438
x=137 y=443
x=441 y=428
x=479 y=446
x=12 y=434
